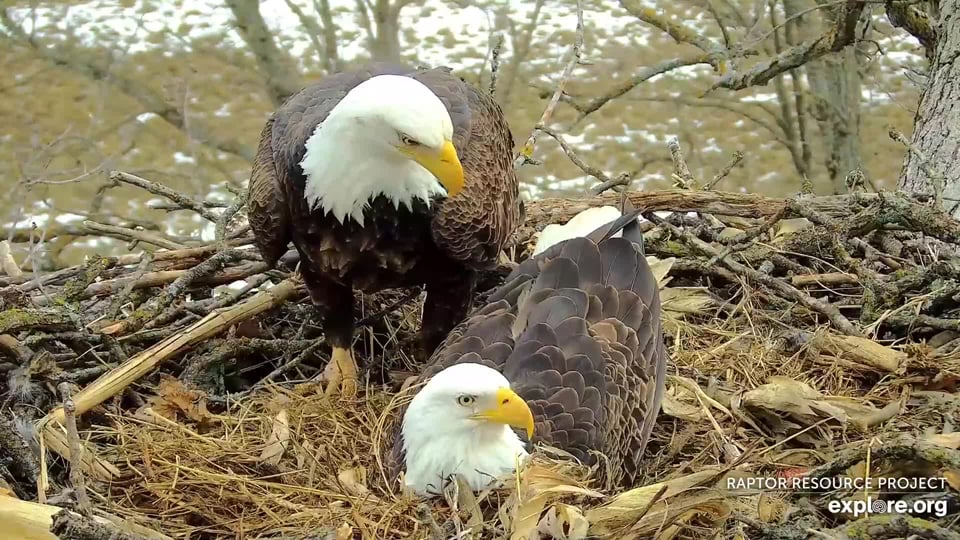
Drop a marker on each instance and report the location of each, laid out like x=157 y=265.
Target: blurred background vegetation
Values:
x=177 y=92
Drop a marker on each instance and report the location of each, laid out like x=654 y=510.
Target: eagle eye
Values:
x=407 y=140
x=465 y=400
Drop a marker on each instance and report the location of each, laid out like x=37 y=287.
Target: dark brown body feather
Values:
x=577 y=332
x=442 y=246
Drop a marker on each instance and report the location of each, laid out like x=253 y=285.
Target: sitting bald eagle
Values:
x=382 y=178
x=569 y=350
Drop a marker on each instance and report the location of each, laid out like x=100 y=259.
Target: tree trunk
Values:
x=331 y=57
x=936 y=135
x=835 y=80
x=386 y=39
x=277 y=66
x=836 y=85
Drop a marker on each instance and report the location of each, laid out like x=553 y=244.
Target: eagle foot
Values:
x=341 y=374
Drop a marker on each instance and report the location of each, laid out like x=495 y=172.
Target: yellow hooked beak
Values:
x=445 y=165
x=510 y=410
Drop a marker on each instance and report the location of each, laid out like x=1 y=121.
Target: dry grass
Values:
x=288 y=462
x=760 y=384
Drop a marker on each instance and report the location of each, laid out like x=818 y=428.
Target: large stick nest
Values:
x=815 y=336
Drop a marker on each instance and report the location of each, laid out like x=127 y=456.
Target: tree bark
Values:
x=935 y=145
x=278 y=67
x=331 y=57
x=835 y=82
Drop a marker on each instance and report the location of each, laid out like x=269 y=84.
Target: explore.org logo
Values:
x=880 y=506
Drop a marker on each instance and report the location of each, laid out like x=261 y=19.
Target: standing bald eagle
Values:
x=383 y=178
x=569 y=350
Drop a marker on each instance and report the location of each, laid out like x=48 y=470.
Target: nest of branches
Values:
x=173 y=392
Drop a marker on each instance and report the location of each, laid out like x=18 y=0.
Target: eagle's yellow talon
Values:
x=341 y=374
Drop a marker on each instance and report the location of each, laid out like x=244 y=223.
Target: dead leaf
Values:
x=526 y=517
x=865 y=352
x=665 y=521
x=729 y=233
x=660 y=268
x=354 y=480
x=946 y=440
x=952 y=477
x=563 y=522
x=685 y=299
x=786 y=227
x=689 y=385
x=173 y=400
x=467 y=502
x=6 y=490
x=786 y=395
x=626 y=506
x=864 y=415
x=345 y=531
x=278 y=440
x=540 y=485
x=770 y=509
x=678 y=409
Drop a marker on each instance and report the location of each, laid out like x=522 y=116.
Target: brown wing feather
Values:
x=266 y=203
x=586 y=354
x=475 y=225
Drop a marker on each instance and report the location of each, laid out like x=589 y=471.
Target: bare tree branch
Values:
x=791 y=124
x=677 y=31
x=521 y=49
x=526 y=152
x=279 y=69
x=914 y=21
x=595 y=104
x=746 y=110
x=331 y=57
x=85 y=63
x=603 y=177
x=837 y=38
x=313 y=29
x=380 y=19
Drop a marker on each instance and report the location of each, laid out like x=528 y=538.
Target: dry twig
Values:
x=73 y=442
x=526 y=152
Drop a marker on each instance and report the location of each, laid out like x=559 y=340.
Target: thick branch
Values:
x=677 y=31
x=724 y=203
x=277 y=66
x=914 y=21
x=836 y=39
x=331 y=56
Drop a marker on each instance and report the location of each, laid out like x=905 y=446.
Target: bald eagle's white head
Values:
x=460 y=423
x=389 y=135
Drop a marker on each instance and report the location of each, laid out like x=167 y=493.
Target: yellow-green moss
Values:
x=73 y=288
x=15 y=319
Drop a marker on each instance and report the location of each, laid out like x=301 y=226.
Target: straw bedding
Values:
x=801 y=341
